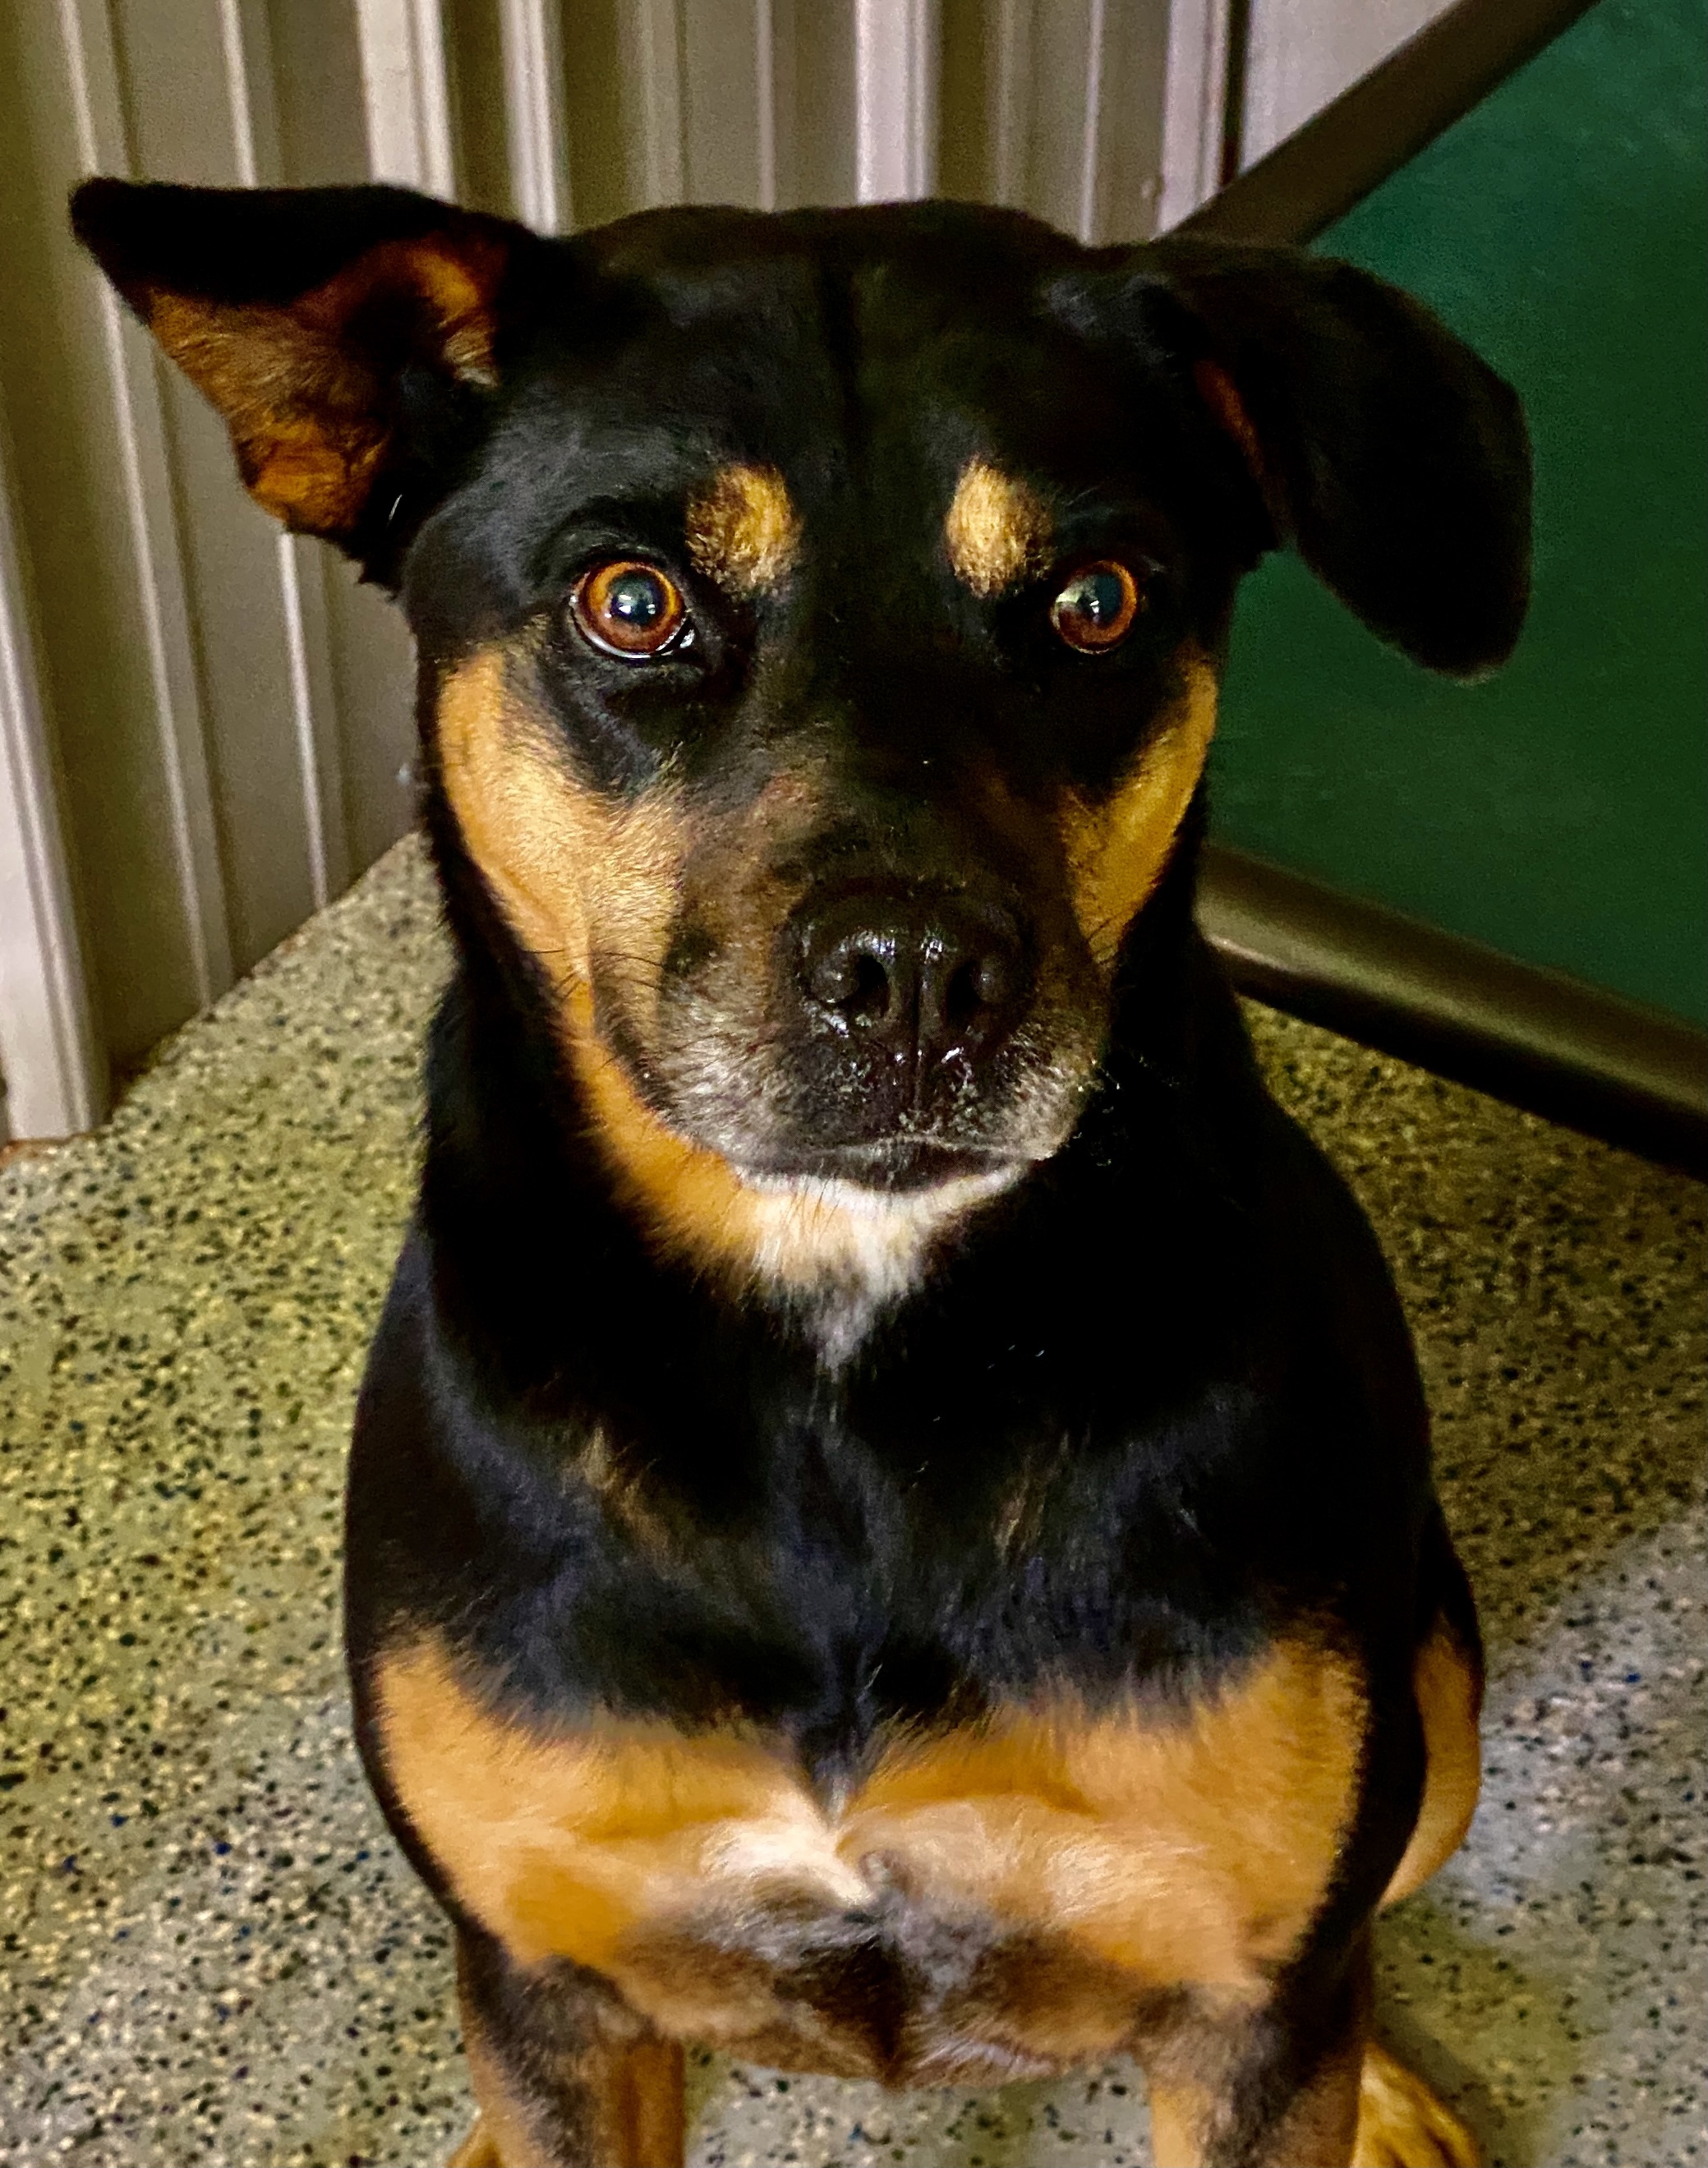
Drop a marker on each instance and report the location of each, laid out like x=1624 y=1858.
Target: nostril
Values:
x=871 y=993
x=976 y=989
x=852 y=979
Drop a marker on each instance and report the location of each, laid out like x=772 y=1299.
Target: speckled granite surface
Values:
x=211 y=1953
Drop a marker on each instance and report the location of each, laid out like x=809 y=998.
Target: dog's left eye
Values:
x=1096 y=609
x=631 y=609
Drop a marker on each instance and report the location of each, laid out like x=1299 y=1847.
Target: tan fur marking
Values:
x=458 y=285
x=622 y=1491
x=1178 y=2114
x=309 y=484
x=1450 y=1697
x=1403 y=2124
x=300 y=410
x=305 y=408
x=1190 y=1849
x=575 y=874
x=483 y=2147
x=501 y=2135
x=560 y=1847
x=649 y=2108
x=1215 y=388
x=742 y=529
x=997 y=528
x=1117 y=851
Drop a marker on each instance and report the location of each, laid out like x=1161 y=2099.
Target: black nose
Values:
x=918 y=977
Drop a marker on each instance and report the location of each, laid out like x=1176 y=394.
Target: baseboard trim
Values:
x=1383 y=122
x=1632 y=1076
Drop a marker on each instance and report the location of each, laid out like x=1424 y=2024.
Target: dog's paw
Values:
x=1400 y=2123
x=478 y=2150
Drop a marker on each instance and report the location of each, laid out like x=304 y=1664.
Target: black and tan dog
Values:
x=890 y=1527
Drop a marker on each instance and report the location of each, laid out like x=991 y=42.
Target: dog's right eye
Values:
x=628 y=607
x=1096 y=610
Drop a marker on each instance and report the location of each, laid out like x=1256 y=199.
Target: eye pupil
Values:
x=1100 y=596
x=639 y=599
x=1096 y=608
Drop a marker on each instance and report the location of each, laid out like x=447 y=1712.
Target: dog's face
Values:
x=826 y=663
x=821 y=618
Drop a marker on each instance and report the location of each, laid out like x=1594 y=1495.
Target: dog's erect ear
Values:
x=1389 y=456
x=347 y=336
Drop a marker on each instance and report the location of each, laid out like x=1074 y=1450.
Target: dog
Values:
x=890 y=1523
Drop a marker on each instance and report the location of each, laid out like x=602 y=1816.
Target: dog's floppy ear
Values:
x=348 y=336
x=1389 y=456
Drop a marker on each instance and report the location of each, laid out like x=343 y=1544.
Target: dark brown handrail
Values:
x=1384 y=120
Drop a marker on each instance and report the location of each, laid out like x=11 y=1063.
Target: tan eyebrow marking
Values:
x=996 y=527
x=743 y=529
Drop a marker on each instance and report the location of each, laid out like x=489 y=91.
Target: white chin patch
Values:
x=838 y=1254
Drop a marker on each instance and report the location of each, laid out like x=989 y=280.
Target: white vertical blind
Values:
x=895 y=45
x=406 y=94
x=1302 y=53
x=47 y=1058
x=534 y=96
x=1194 y=99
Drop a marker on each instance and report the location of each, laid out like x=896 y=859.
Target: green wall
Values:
x=1559 y=811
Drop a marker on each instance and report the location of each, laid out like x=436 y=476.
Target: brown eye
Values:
x=628 y=607
x=1096 y=609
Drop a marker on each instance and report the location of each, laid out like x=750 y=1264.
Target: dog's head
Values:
x=821 y=617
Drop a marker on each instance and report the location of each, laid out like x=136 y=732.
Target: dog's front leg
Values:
x=1242 y=2095
x=565 y=2074
x=1300 y=2085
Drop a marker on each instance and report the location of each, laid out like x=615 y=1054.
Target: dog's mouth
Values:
x=890 y=1167
x=941 y=1095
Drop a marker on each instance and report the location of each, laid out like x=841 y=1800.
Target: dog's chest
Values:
x=985 y=1904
